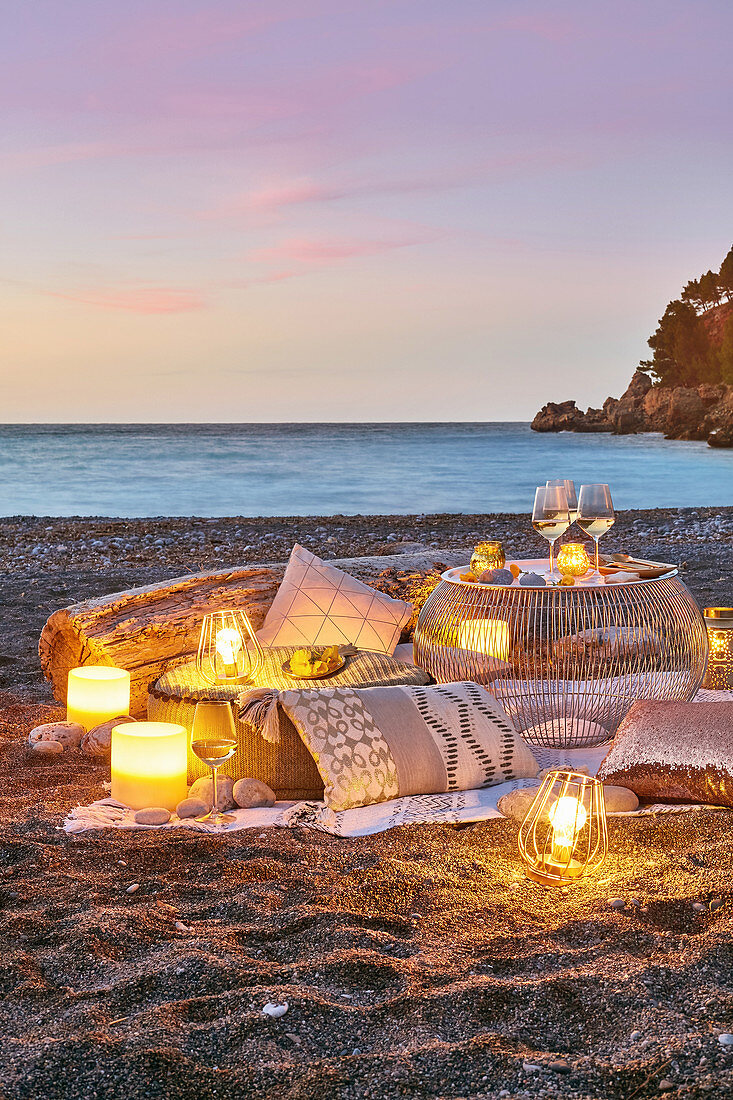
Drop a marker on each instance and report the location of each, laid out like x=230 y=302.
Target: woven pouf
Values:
x=287 y=767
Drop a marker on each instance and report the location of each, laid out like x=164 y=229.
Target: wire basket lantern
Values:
x=565 y=663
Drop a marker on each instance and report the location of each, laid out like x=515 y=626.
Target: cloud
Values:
x=309 y=251
x=144 y=299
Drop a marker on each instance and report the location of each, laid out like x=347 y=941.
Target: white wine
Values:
x=595 y=526
x=551 y=529
x=215 y=751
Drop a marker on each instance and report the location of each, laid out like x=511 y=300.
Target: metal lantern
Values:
x=719 y=623
x=564 y=835
x=487 y=555
x=228 y=652
x=565 y=663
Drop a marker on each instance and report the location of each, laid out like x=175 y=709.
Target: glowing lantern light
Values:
x=96 y=693
x=228 y=652
x=573 y=560
x=488 y=636
x=487 y=555
x=719 y=673
x=564 y=835
x=149 y=764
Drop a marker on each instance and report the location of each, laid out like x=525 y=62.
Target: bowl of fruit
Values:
x=314 y=664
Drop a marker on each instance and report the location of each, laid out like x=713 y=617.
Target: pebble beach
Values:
x=416 y=963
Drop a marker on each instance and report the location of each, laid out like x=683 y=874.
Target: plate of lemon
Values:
x=314 y=664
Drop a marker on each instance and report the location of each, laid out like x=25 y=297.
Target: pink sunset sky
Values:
x=368 y=210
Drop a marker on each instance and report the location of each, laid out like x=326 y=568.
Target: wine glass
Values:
x=550 y=516
x=595 y=513
x=214 y=741
x=571 y=495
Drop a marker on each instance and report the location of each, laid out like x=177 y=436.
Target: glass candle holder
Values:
x=96 y=693
x=228 y=652
x=149 y=764
x=487 y=555
x=719 y=672
x=573 y=560
x=564 y=834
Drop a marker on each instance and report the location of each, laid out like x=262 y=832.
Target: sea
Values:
x=138 y=470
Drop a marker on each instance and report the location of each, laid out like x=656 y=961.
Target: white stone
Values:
x=98 y=742
x=516 y=804
x=191 y=807
x=47 y=748
x=619 y=799
x=133 y=888
x=67 y=734
x=203 y=788
x=152 y=815
x=725 y=1039
x=250 y=793
x=275 y=1011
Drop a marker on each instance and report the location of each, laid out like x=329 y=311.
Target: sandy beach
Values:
x=417 y=963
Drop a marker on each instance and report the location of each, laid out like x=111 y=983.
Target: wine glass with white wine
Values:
x=595 y=513
x=571 y=495
x=550 y=516
x=214 y=741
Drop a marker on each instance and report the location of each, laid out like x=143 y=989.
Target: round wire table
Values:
x=565 y=663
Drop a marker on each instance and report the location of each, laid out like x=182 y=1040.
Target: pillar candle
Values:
x=149 y=762
x=97 y=693
x=489 y=636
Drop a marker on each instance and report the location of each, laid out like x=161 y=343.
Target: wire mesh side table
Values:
x=566 y=663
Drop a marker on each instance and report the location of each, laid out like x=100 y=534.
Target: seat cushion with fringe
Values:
x=286 y=765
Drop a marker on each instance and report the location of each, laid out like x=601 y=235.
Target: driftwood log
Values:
x=144 y=629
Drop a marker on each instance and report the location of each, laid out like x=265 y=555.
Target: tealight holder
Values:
x=564 y=835
x=719 y=672
x=487 y=555
x=573 y=560
x=228 y=652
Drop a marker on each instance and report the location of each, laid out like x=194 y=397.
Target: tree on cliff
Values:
x=685 y=354
x=681 y=348
x=726 y=353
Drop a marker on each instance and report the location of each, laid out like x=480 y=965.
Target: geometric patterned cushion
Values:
x=319 y=604
x=373 y=744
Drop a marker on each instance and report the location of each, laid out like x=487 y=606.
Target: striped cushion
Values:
x=378 y=743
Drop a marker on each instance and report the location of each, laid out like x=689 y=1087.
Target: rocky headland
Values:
x=679 y=412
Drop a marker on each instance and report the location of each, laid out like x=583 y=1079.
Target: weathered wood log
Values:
x=144 y=629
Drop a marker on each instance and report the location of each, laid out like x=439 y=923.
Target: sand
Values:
x=418 y=963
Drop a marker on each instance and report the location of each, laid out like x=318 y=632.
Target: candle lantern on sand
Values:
x=564 y=834
x=97 y=693
x=228 y=652
x=719 y=672
x=573 y=560
x=487 y=555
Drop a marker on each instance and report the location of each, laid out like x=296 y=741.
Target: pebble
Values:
x=250 y=793
x=665 y=1085
x=66 y=734
x=98 y=742
x=181 y=927
x=635 y=1036
x=617 y=903
x=530 y=1067
x=699 y=906
x=516 y=804
x=715 y=904
x=133 y=888
x=152 y=815
x=48 y=748
x=532 y=580
x=725 y=1039
x=619 y=799
x=559 y=1066
x=503 y=577
x=275 y=1011
x=203 y=788
x=191 y=807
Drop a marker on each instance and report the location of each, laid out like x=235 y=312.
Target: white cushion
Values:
x=318 y=604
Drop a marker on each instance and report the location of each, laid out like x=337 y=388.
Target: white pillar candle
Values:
x=489 y=636
x=97 y=693
x=149 y=763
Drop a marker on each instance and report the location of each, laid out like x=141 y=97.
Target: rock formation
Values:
x=680 y=412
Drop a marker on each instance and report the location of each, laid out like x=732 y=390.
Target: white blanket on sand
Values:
x=451 y=808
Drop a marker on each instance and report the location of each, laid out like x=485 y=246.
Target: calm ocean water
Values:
x=323 y=469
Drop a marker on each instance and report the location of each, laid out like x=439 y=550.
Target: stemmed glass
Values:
x=595 y=513
x=550 y=516
x=571 y=495
x=214 y=741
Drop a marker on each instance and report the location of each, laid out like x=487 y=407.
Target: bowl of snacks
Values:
x=314 y=664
